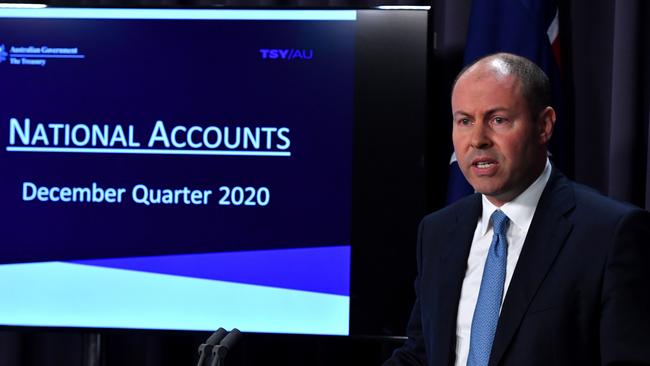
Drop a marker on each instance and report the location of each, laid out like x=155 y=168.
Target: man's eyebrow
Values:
x=487 y=113
x=495 y=110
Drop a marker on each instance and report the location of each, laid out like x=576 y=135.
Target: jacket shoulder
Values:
x=466 y=206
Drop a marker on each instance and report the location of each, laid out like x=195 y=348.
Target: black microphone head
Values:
x=232 y=338
x=216 y=337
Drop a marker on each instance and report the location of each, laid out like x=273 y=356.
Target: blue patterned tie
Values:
x=486 y=314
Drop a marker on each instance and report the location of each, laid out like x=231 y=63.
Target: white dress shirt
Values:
x=520 y=211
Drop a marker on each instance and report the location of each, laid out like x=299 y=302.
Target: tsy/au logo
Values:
x=286 y=54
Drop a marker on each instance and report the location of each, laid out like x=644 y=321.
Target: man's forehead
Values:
x=492 y=75
x=485 y=89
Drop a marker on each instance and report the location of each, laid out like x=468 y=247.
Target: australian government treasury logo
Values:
x=3 y=53
x=37 y=56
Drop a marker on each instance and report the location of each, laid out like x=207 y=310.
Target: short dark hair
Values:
x=535 y=85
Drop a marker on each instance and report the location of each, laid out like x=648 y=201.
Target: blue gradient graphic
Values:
x=86 y=296
x=325 y=270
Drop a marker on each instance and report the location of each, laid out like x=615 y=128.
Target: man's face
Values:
x=499 y=148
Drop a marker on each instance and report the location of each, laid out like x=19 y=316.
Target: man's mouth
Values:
x=484 y=164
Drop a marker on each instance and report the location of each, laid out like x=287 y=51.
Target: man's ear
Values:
x=546 y=121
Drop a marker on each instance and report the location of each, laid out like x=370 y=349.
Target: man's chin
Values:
x=489 y=191
x=485 y=186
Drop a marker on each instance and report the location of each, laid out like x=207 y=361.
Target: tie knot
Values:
x=499 y=222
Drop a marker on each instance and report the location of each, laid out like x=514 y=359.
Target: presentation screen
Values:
x=179 y=169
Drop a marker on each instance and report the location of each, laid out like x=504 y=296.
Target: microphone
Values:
x=220 y=351
x=205 y=349
x=216 y=337
x=216 y=347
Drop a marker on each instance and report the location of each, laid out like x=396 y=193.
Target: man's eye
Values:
x=499 y=120
x=464 y=121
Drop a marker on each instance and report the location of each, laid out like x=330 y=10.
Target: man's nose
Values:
x=480 y=136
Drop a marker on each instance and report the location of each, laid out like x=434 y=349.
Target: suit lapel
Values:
x=453 y=264
x=545 y=238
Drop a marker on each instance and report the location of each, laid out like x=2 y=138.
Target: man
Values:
x=533 y=269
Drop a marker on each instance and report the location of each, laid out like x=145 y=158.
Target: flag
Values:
x=529 y=28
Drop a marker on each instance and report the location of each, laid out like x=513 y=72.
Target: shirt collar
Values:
x=520 y=211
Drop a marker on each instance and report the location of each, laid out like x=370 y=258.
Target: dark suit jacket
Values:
x=580 y=294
